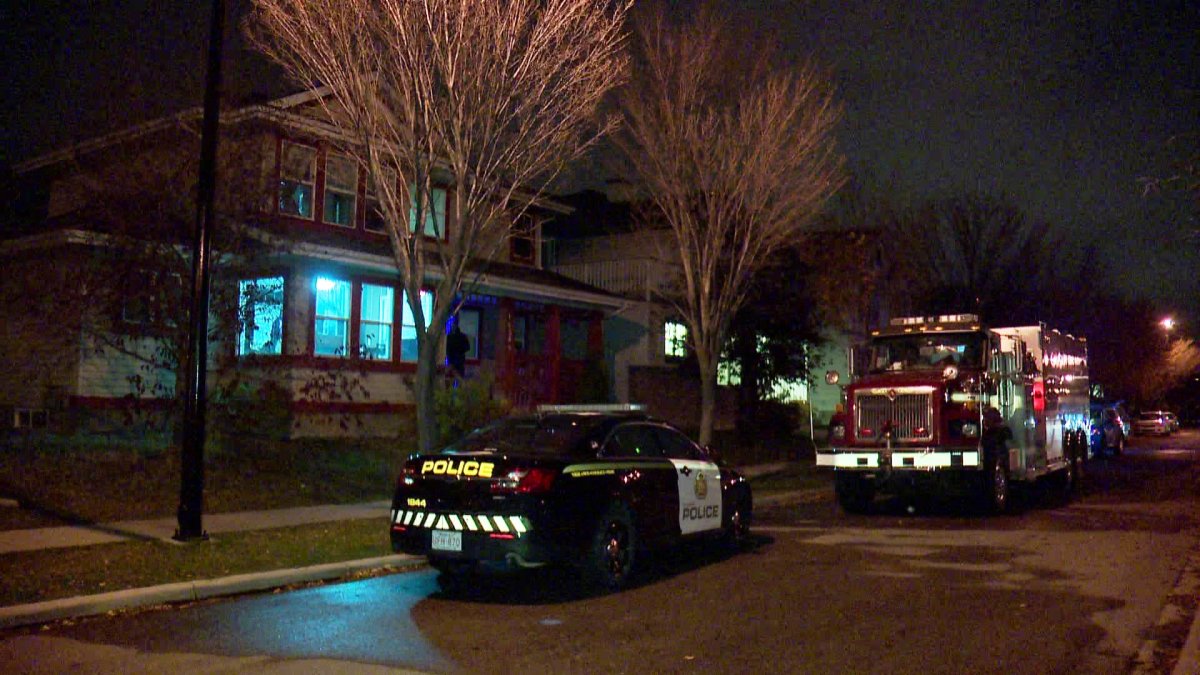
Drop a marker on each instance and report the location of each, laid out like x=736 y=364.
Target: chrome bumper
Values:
x=900 y=459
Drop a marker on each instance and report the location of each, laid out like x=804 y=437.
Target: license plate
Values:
x=446 y=540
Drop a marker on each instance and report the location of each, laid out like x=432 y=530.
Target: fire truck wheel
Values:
x=993 y=489
x=854 y=493
x=609 y=560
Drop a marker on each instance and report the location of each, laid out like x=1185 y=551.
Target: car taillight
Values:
x=533 y=480
x=408 y=477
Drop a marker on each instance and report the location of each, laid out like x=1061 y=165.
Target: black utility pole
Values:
x=191 y=490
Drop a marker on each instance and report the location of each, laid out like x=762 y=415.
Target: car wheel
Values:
x=612 y=551
x=854 y=493
x=737 y=530
x=993 y=488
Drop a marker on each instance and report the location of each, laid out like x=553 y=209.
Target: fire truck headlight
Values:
x=837 y=432
x=950 y=372
x=970 y=430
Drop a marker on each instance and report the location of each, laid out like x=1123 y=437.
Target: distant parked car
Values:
x=1108 y=433
x=1152 y=422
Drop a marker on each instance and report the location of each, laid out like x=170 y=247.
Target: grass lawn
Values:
x=61 y=486
x=36 y=576
x=57 y=486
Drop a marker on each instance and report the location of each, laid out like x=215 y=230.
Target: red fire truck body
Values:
x=946 y=402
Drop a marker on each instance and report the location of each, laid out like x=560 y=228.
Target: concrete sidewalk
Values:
x=64 y=536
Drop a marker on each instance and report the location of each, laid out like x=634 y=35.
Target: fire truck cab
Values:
x=945 y=403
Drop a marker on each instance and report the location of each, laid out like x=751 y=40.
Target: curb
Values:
x=1180 y=605
x=89 y=605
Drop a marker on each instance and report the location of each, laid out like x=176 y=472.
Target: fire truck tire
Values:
x=993 y=484
x=1079 y=462
x=608 y=562
x=854 y=493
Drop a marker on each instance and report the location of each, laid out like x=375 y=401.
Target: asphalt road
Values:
x=1051 y=588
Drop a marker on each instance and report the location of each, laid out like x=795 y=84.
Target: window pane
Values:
x=341 y=187
x=297 y=172
x=260 y=313
x=676 y=339
x=333 y=317
x=408 y=330
x=468 y=320
x=375 y=330
x=341 y=174
x=435 y=218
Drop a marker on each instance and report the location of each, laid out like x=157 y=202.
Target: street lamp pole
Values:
x=191 y=489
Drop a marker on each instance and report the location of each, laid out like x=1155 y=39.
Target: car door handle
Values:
x=685 y=470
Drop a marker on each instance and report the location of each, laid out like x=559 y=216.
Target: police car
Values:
x=590 y=486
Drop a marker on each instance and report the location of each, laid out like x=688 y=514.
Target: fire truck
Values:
x=944 y=403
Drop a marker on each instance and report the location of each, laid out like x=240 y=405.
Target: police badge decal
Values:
x=701 y=485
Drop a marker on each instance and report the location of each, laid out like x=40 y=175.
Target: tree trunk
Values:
x=423 y=390
x=708 y=397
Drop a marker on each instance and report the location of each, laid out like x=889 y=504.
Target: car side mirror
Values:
x=713 y=455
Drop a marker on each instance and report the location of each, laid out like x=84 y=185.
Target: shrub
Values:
x=466 y=404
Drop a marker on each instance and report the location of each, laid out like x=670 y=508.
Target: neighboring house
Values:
x=645 y=339
x=324 y=299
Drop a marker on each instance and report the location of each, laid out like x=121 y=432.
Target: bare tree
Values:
x=487 y=98
x=736 y=156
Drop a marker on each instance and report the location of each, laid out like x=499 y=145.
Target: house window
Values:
x=675 y=334
x=468 y=321
x=408 y=325
x=375 y=325
x=297 y=180
x=374 y=219
x=341 y=187
x=435 y=217
x=260 y=316
x=332 y=321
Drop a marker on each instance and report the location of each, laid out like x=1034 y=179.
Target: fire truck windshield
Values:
x=927 y=351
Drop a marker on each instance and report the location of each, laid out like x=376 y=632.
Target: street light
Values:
x=1168 y=324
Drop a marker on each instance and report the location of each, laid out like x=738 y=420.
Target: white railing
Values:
x=632 y=278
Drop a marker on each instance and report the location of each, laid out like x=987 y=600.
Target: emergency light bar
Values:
x=592 y=407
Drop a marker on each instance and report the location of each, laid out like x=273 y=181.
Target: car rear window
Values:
x=1150 y=417
x=551 y=436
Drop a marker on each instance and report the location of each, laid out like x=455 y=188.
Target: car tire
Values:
x=737 y=530
x=855 y=494
x=609 y=562
x=993 y=495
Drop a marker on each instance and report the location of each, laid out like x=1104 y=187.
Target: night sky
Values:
x=1061 y=106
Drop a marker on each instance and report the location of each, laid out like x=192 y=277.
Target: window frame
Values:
x=675 y=347
x=327 y=189
x=355 y=321
x=283 y=303
x=281 y=177
x=348 y=346
x=412 y=212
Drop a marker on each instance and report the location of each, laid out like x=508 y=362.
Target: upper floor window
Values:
x=435 y=213
x=522 y=240
x=374 y=221
x=341 y=189
x=260 y=316
x=675 y=334
x=331 y=328
x=297 y=180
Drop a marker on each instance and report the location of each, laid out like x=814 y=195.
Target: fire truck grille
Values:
x=906 y=415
